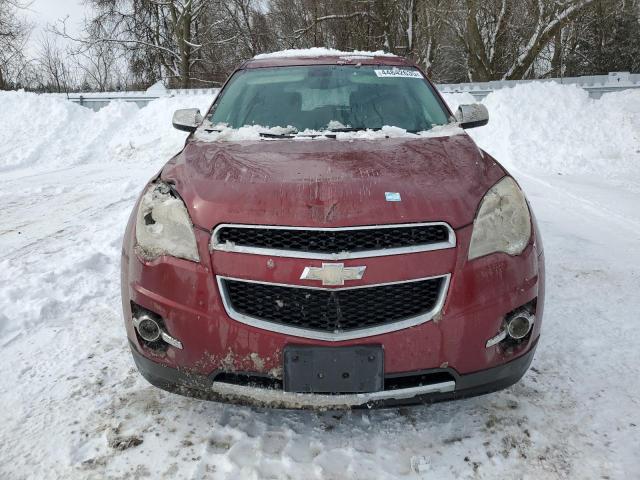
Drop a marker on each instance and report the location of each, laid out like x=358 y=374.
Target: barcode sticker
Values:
x=398 y=73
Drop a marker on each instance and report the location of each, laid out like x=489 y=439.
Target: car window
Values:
x=321 y=97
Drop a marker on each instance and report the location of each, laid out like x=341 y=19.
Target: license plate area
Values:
x=309 y=369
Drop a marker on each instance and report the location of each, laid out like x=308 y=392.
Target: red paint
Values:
x=332 y=183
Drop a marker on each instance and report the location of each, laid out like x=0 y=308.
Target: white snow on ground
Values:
x=73 y=406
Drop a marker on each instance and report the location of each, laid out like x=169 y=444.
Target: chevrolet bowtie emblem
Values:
x=332 y=273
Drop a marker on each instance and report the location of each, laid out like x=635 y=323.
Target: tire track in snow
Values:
x=606 y=213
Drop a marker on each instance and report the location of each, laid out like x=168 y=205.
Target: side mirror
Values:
x=187 y=119
x=472 y=115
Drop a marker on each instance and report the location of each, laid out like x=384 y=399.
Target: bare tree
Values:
x=503 y=38
x=551 y=16
x=199 y=42
x=429 y=30
x=100 y=67
x=14 y=33
x=53 y=65
x=241 y=15
x=604 y=38
x=168 y=31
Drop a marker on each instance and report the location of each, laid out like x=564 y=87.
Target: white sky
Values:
x=43 y=12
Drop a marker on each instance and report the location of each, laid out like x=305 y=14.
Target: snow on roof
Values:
x=321 y=52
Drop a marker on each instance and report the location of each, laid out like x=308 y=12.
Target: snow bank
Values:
x=549 y=127
x=559 y=129
x=38 y=130
x=321 y=52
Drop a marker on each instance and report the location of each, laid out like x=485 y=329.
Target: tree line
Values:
x=131 y=44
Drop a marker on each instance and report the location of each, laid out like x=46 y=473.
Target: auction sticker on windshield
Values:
x=397 y=72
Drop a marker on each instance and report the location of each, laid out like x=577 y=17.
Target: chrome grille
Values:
x=333 y=314
x=333 y=243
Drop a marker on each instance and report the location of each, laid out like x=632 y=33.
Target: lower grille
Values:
x=335 y=314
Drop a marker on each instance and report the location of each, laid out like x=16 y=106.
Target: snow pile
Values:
x=48 y=131
x=538 y=126
x=315 y=52
x=559 y=129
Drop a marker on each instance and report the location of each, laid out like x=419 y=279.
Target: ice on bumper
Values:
x=163 y=225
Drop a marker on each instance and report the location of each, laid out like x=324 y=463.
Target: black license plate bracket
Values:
x=357 y=369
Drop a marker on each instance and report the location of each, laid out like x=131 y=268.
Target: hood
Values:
x=332 y=183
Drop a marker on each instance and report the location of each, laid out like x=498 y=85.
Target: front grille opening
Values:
x=334 y=311
x=334 y=241
x=417 y=380
x=249 y=380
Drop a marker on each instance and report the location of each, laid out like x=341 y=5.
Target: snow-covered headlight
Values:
x=503 y=223
x=163 y=225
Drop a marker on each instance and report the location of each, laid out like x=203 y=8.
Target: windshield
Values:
x=329 y=97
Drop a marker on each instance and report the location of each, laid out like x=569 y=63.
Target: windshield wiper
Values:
x=351 y=129
x=288 y=132
x=275 y=135
x=331 y=132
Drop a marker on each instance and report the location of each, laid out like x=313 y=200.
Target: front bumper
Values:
x=185 y=295
x=456 y=386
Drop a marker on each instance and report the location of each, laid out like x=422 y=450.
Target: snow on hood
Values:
x=321 y=52
x=252 y=133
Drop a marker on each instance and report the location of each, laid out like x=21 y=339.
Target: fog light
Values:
x=151 y=328
x=147 y=328
x=519 y=325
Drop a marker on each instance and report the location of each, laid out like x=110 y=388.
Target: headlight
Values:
x=503 y=223
x=163 y=226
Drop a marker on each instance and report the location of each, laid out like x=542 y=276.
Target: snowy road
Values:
x=73 y=406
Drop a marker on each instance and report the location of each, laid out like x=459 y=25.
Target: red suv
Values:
x=330 y=237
